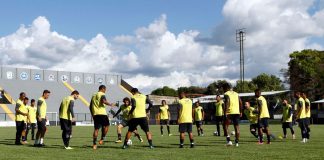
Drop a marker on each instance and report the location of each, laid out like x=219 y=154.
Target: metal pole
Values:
x=240 y=37
x=240 y=65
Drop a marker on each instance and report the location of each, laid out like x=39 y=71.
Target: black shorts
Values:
x=198 y=123
x=287 y=125
x=302 y=123
x=164 y=122
x=20 y=125
x=185 y=127
x=253 y=127
x=66 y=125
x=134 y=122
x=263 y=123
x=234 y=118
x=100 y=121
x=25 y=126
x=31 y=126
x=123 y=122
x=219 y=119
x=41 y=125
x=307 y=121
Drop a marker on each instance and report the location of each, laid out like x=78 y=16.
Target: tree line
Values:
x=263 y=81
x=305 y=73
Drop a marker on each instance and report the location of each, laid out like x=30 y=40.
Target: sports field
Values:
x=207 y=147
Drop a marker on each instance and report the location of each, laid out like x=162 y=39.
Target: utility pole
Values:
x=240 y=37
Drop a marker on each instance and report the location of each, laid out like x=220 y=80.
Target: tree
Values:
x=267 y=82
x=263 y=81
x=248 y=86
x=192 y=90
x=306 y=72
x=165 y=91
x=216 y=87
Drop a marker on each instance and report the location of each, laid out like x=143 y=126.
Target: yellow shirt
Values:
x=198 y=113
x=64 y=108
x=164 y=112
x=22 y=108
x=308 y=113
x=264 y=112
x=125 y=109
x=42 y=108
x=185 y=110
x=98 y=108
x=234 y=104
x=219 y=108
x=32 y=114
x=252 y=117
x=302 y=108
x=25 y=110
x=286 y=115
x=140 y=103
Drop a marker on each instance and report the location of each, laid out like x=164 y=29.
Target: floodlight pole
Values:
x=240 y=37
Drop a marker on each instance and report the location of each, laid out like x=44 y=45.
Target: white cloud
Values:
x=174 y=79
x=39 y=47
x=124 y=39
x=129 y=62
x=94 y=56
x=154 y=56
x=155 y=29
x=273 y=30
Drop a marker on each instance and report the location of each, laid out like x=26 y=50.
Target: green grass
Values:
x=207 y=147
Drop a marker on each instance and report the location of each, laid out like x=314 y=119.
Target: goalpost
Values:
x=51 y=118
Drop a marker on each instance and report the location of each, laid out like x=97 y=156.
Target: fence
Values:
x=5 y=116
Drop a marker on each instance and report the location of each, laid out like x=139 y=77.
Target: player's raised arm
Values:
x=105 y=101
x=119 y=110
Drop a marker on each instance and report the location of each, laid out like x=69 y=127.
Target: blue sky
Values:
x=154 y=43
x=85 y=18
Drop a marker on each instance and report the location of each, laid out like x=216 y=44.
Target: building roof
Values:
x=319 y=101
x=212 y=98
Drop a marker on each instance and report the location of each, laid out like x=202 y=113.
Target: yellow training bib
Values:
x=164 y=114
x=234 y=106
x=42 y=108
x=185 y=110
x=219 y=108
x=98 y=108
x=264 y=112
x=64 y=108
x=140 y=102
x=198 y=113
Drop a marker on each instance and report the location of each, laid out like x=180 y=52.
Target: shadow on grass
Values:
x=102 y=146
x=155 y=146
x=9 y=142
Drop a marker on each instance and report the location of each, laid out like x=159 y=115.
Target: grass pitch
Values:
x=207 y=147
